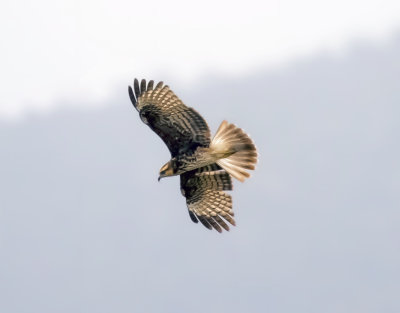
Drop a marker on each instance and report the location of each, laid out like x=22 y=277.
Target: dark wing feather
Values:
x=180 y=127
x=205 y=196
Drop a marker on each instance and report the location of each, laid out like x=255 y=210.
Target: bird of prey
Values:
x=205 y=165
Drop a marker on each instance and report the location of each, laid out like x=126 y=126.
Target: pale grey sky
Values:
x=86 y=227
x=81 y=50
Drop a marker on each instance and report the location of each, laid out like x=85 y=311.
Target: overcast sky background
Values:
x=86 y=227
x=84 y=49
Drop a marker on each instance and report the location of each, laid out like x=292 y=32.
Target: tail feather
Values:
x=238 y=150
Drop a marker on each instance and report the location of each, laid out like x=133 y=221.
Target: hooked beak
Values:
x=159 y=177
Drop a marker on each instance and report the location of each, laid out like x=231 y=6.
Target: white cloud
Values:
x=52 y=50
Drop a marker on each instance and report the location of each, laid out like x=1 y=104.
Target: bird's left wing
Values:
x=180 y=127
x=205 y=197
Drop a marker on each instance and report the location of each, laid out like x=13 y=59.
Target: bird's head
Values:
x=167 y=170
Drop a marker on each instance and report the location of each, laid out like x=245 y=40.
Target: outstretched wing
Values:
x=205 y=197
x=180 y=127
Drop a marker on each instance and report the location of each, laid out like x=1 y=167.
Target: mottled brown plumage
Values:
x=180 y=127
x=205 y=166
x=206 y=199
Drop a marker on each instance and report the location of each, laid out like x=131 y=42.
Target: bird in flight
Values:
x=205 y=165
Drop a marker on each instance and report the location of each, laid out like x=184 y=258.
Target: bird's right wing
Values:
x=205 y=197
x=180 y=127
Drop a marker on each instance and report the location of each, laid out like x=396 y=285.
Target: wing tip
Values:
x=193 y=217
x=132 y=96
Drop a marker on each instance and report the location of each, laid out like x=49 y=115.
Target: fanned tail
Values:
x=237 y=151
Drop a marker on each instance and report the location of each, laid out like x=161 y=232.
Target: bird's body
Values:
x=194 y=159
x=205 y=166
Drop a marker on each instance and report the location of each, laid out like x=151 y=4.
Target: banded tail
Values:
x=237 y=152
